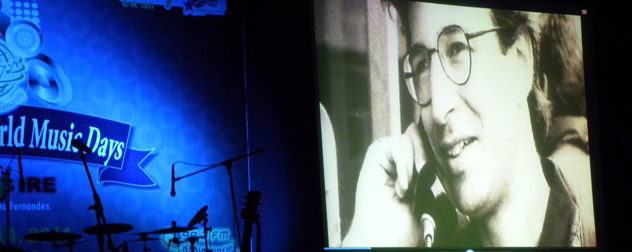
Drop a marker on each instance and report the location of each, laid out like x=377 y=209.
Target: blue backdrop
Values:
x=143 y=86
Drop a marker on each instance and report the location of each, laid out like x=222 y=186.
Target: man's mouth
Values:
x=459 y=147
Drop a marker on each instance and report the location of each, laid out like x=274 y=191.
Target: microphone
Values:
x=81 y=146
x=22 y=184
x=173 y=180
x=437 y=215
x=424 y=202
x=429 y=227
x=199 y=216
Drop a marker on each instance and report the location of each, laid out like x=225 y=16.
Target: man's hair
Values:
x=515 y=24
x=539 y=105
x=563 y=65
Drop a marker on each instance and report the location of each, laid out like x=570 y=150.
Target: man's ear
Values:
x=522 y=51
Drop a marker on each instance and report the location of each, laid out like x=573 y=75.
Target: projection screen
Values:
x=450 y=126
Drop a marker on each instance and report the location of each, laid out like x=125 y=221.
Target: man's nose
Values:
x=444 y=93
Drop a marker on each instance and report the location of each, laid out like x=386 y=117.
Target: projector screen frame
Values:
x=341 y=73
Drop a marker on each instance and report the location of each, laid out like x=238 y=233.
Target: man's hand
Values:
x=383 y=214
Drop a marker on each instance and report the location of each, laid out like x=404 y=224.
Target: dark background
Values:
x=282 y=117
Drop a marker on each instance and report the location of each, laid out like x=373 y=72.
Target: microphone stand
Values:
x=229 y=165
x=7 y=186
x=205 y=235
x=258 y=235
x=98 y=208
x=7 y=191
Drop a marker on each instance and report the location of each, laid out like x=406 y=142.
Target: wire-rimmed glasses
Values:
x=455 y=55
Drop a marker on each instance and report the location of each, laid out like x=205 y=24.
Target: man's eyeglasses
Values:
x=455 y=55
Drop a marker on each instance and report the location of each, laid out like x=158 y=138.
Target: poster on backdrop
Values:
x=131 y=90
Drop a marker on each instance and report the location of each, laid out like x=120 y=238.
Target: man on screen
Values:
x=484 y=116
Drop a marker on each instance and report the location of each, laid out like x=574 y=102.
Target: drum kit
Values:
x=63 y=239
x=105 y=230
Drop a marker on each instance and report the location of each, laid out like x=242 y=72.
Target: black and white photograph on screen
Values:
x=452 y=126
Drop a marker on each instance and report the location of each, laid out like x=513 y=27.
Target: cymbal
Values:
x=53 y=236
x=172 y=230
x=113 y=228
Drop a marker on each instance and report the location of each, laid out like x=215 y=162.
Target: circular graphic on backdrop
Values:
x=48 y=81
x=24 y=38
x=12 y=79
